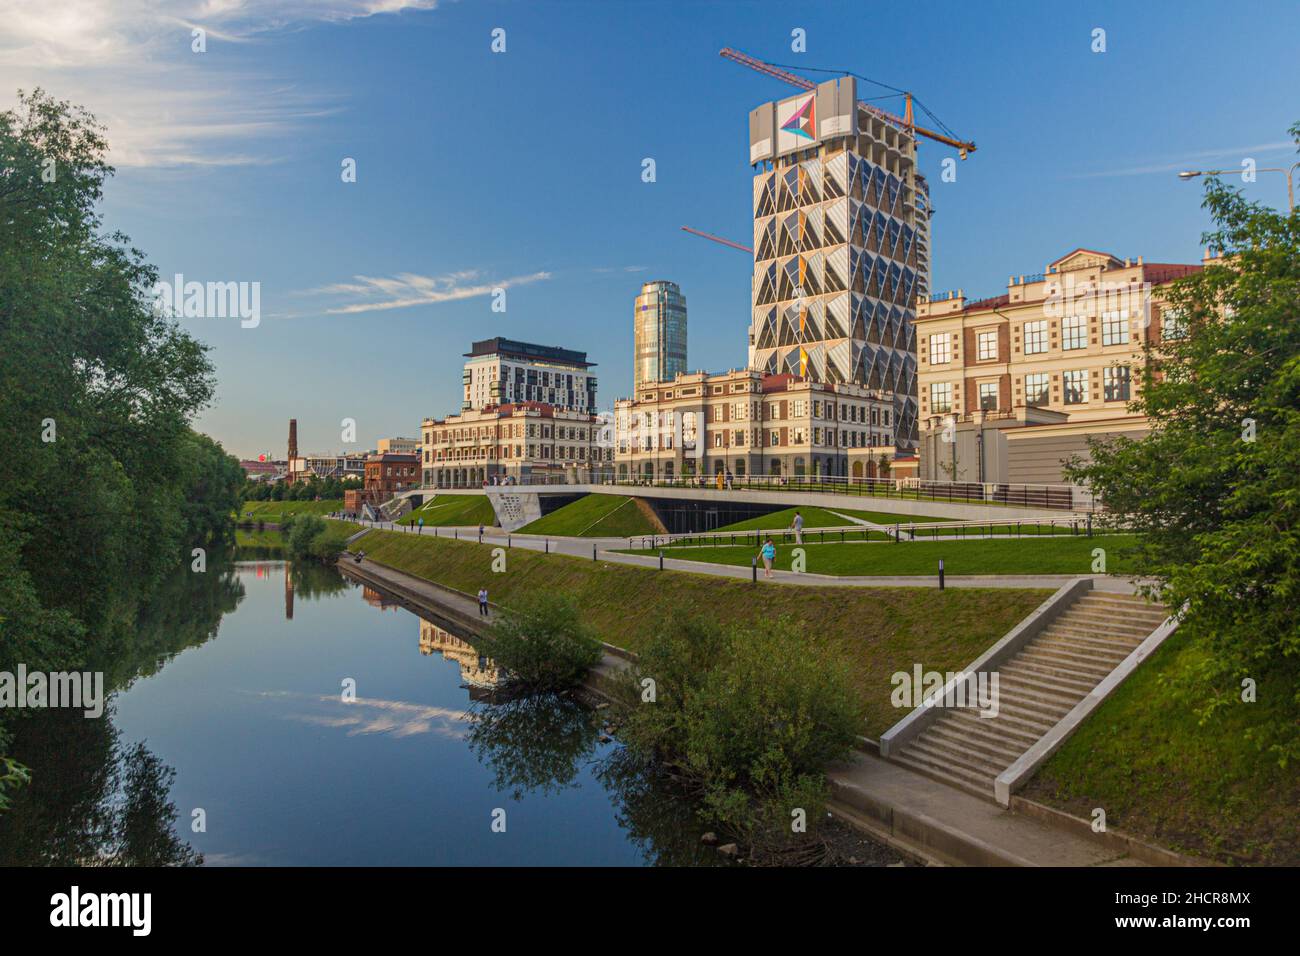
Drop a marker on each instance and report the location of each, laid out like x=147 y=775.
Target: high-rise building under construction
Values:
x=841 y=244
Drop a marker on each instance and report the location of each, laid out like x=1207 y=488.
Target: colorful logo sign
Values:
x=802 y=120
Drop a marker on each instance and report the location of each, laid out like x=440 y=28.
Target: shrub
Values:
x=543 y=644
x=750 y=717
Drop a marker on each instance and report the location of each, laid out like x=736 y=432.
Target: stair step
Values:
x=992 y=744
x=955 y=776
x=1083 y=683
x=1124 y=642
x=952 y=758
x=1080 y=670
x=1066 y=649
x=1102 y=622
x=1062 y=685
x=1015 y=732
x=1017 y=687
x=1137 y=602
x=1030 y=711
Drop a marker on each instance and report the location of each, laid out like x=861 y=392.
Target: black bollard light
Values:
x=941 y=574
x=753 y=570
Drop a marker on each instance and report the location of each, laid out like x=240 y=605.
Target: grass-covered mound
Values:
x=822 y=518
x=594 y=516
x=1159 y=773
x=448 y=510
x=879 y=631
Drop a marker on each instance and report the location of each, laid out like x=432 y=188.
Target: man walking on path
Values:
x=797 y=524
x=482 y=602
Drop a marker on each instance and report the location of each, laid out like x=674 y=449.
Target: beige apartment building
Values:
x=748 y=423
x=1010 y=387
x=522 y=441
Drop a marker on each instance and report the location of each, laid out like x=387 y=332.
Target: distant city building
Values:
x=306 y=467
x=262 y=469
x=386 y=475
x=841 y=245
x=502 y=371
x=405 y=446
x=520 y=441
x=1011 y=386
x=658 y=333
x=750 y=424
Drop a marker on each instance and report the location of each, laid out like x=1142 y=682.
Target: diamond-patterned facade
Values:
x=841 y=252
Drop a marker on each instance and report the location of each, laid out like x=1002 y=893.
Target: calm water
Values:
x=237 y=688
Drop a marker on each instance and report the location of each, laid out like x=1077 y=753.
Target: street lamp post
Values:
x=1188 y=174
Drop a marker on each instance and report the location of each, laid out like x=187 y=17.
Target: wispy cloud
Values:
x=130 y=62
x=607 y=269
x=406 y=289
x=369 y=715
x=1190 y=160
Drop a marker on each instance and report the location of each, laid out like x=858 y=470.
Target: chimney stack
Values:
x=293 y=441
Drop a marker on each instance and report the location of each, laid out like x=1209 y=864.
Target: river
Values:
x=228 y=736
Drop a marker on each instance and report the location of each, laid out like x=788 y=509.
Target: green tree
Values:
x=1214 y=487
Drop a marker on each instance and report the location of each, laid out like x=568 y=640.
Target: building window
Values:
x=1036 y=388
x=988 y=396
x=1114 y=328
x=1173 y=325
x=1074 y=332
x=1035 y=337
x=940 y=397
x=1115 y=383
x=987 y=343
x=940 y=349
x=1076 y=387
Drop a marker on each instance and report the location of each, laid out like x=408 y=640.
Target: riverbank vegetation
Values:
x=747 y=720
x=104 y=485
x=543 y=644
x=314 y=537
x=277 y=511
x=878 y=631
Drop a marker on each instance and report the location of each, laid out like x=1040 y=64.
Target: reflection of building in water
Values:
x=381 y=601
x=475 y=669
x=288 y=593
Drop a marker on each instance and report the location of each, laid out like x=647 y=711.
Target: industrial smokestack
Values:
x=293 y=440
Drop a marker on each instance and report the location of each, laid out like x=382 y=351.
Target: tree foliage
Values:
x=1214 y=487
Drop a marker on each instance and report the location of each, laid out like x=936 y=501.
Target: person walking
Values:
x=728 y=480
x=797 y=524
x=482 y=602
x=769 y=555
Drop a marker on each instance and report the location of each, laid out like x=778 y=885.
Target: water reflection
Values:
x=252 y=728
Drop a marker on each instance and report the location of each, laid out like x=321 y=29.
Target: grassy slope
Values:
x=881 y=630
x=1145 y=759
x=1072 y=555
x=593 y=516
x=819 y=518
x=445 y=510
x=272 y=510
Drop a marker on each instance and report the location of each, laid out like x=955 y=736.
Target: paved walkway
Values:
x=951 y=826
x=604 y=551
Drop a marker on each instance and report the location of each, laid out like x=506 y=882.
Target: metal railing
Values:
x=1074 y=525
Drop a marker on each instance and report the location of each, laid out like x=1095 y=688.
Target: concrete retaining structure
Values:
x=1014 y=777
x=911 y=726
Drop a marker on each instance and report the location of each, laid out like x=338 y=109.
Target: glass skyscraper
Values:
x=659 y=333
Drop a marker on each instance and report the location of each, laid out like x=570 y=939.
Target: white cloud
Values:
x=379 y=293
x=1192 y=160
x=130 y=63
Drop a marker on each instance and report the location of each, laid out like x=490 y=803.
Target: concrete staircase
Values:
x=1038 y=686
x=514 y=509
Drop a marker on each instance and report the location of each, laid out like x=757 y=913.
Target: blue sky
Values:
x=523 y=169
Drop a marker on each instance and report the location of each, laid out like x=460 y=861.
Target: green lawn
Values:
x=1071 y=555
x=821 y=518
x=880 y=631
x=445 y=510
x=594 y=516
x=273 y=510
x=1145 y=758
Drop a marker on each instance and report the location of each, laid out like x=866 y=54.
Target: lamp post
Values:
x=1188 y=174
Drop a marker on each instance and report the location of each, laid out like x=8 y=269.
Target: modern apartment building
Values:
x=748 y=423
x=502 y=371
x=841 y=245
x=658 y=333
x=1013 y=385
x=520 y=441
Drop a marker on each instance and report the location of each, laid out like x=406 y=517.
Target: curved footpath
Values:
x=911 y=812
x=605 y=551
